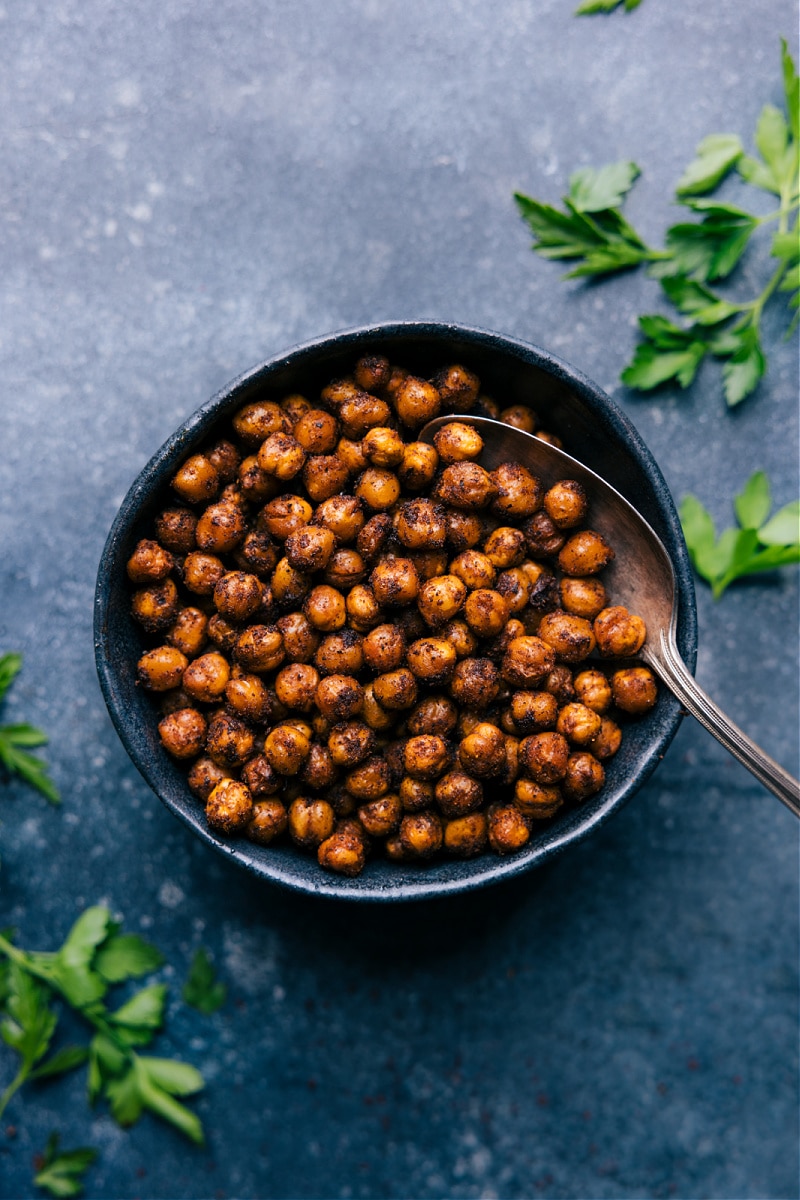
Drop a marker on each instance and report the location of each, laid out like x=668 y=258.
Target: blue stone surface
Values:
x=188 y=188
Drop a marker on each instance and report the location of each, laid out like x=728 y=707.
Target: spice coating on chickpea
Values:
x=161 y=669
x=183 y=733
x=634 y=690
x=229 y=807
x=619 y=633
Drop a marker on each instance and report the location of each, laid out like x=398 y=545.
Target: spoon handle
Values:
x=666 y=660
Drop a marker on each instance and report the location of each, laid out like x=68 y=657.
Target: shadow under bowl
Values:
x=592 y=428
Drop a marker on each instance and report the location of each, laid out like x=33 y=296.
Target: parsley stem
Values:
x=13 y=1087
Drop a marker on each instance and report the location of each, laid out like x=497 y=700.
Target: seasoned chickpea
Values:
x=324 y=475
x=458 y=794
x=465 y=530
x=258 y=554
x=429 y=563
x=395 y=582
x=505 y=547
x=310 y=548
x=149 y=563
x=420 y=525
x=295 y=406
x=343 y=516
x=607 y=741
x=460 y=636
x=441 y=598
x=345 y=570
x=296 y=686
x=578 y=723
x=340 y=654
x=619 y=633
x=527 y=661
x=183 y=733
x=373 y=714
x=204 y=775
x=269 y=821
x=223 y=633
x=544 y=756
x=458 y=387
x=381 y=817
x=508 y=829
x=410 y=622
x=337 y=391
x=634 y=690
x=584 y=776
x=260 y=648
x=373 y=537
x=515 y=587
x=220 y=528
x=288 y=585
x=238 y=595
x=161 y=669
x=378 y=488
x=350 y=742
x=521 y=417
x=286 y=749
x=339 y=697
x=175 y=529
x=155 y=607
x=571 y=637
x=582 y=597
x=585 y=553
x=435 y=714
x=188 y=633
x=247 y=696
x=196 y=480
x=344 y=851
x=566 y=504
x=229 y=807
x=559 y=683
x=351 y=453
x=416 y=401
x=537 y=800
x=311 y=821
x=475 y=569
x=256 y=484
x=285 y=515
x=519 y=493
x=544 y=538
x=300 y=641
x=229 y=741
x=425 y=756
x=319 y=771
x=421 y=834
x=369 y=780
x=457 y=442
x=593 y=689
x=258 y=420
x=465 y=485
x=363 y=610
x=482 y=752
x=415 y=794
x=383 y=447
x=261 y=777
x=533 y=712
x=432 y=660
x=544 y=436
x=361 y=412
x=324 y=607
x=418 y=466
x=206 y=678
x=372 y=372
x=384 y=648
x=202 y=572
x=475 y=683
x=466 y=836
x=395 y=689
x=317 y=431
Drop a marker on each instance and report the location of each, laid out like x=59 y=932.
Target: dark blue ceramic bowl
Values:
x=592 y=428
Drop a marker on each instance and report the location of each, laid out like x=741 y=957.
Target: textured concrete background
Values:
x=187 y=188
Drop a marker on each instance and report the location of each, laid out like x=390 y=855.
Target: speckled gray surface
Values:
x=187 y=188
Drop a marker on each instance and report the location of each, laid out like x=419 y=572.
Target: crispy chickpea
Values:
x=593 y=689
x=619 y=633
x=420 y=525
x=289 y=586
x=229 y=741
x=584 y=776
x=175 y=529
x=363 y=610
x=269 y=821
x=319 y=771
x=188 y=633
x=381 y=817
x=533 y=712
x=384 y=648
x=566 y=504
x=527 y=661
x=222 y=633
x=460 y=636
x=257 y=553
x=295 y=406
x=256 y=484
x=544 y=436
x=361 y=412
x=339 y=697
x=519 y=493
x=420 y=834
x=544 y=756
x=300 y=640
x=174 y=699
x=482 y=752
x=340 y=654
x=608 y=739
x=508 y=829
x=410 y=622
x=202 y=572
x=260 y=648
x=415 y=794
x=183 y=733
x=296 y=686
x=416 y=401
x=286 y=749
x=634 y=690
x=317 y=431
x=155 y=607
x=505 y=547
x=344 y=851
x=310 y=548
x=238 y=595
x=544 y=539
x=343 y=516
x=311 y=821
x=515 y=588
x=258 y=420
x=465 y=485
x=204 y=775
x=337 y=391
x=429 y=563
x=571 y=637
x=285 y=515
x=578 y=723
x=373 y=537
x=351 y=453
x=373 y=714
x=395 y=689
x=247 y=696
x=220 y=528
x=418 y=466
x=372 y=372
x=465 y=530
x=261 y=777
x=323 y=476
x=345 y=570
x=466 y=836
x=324 y=608
x=441 y=598
x=229 y=807
x=149 y=563
x=537 y=800
x=582 y=597
x=458 y=794
x=435 y=714
x=350 y=742
x=425 y=756
x=520 y=416
x=559 y=683
x=395 y=582
x=457 y=442
x=378 y=488
x=197 y=480
x=585 y=553
x=487 y=407
x=369 y=780
x=475 y=569
x=458 y=387
x=432 y=660
x=281 y=456
x=161 y=669
x=497 y=647
x=475 y=683
x=383 y=447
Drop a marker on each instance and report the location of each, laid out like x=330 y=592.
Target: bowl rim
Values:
x=499 y=869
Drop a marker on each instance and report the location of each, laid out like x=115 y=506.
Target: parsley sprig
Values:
x=95 y=956
x=202 y=989
x=757 y=543
x=60 y=1172
x=17 y=740
x=593 y=233
x=589 y=7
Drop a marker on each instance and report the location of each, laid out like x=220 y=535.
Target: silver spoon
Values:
x=641 y=578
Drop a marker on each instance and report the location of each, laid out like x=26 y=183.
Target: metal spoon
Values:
x=641 y=578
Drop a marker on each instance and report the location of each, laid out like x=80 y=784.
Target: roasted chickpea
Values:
x=343 y=516
x=340 y=654
x=255 y=422
x=571 y=637
x=202 y=572
x=345 y=570
x=508 y=829
x=296 y=686
x=373 y=715
x=619 y=633
x=350 y=742
x=475 y=683
x=482 y=753
x=544 y=756
x=435 y=714
x=421 y=834
x=324 y=607
x=300 y=640
x=420 y=525
x=175 y=529
x=149 y=563
x=432 y=660
x=544 y=436
x=319 y=771
x=286 y=749
x=258 y=554
x=460 y=636
x=543 y=537
x=458 y=794
x=196 y=481
x=324 y=475
x=260 y=648
x=533 y=712
x=582 y=597
x=285 y=515
x=229 y=741
x=344 y=851
x=369 y=780
x=337 y=391
x=465 y=485
x=204 y=775
x=161 y=669
x=311 y=821
x=411 y=624
x=634 y=690
x=379 y=489
x=607 y=741
x=395 y=689
x=310 y=548
x=418 y=466
x=269 y=821
x=457 y=442
x=585 y=553
x=351 y=453
x=261 y=777
x=220 y=528
x=441 y=598
x=527 y=661
x=584 y=776
x=188 y=633
x=247 y=696
x=415 y=794
x=223 y=633
x=559 y=683
x=384 y=648
x=256 y=485
x=289 y=586
x=465 y=530
x=317 y=431
x=295 y=406
x=505 y=547
x=372 y=372
x=183 y=733
x=383 y=447
x=229 y=807
x=475 y=569
x=578 y=723
x=363 y=610
x=458 y=387
x=466 y=836
x=593 y=689
x=395 y=582
x=519 y=493
x=374 y=536
x=416 y=401
x=382 y=817
x=206 y=678
x=566 y=504
x=155 y=607
x=339 y=697
x=238 y=595
x=429 y=563
x=537 y=800
x=361 y=412
x=515 y=588
x=521 y=417
x=425 y=756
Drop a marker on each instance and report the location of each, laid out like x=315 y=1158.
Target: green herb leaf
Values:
x=715 y=156
x=710 y=249
x=783 y=528
x=696 y=301
x=668 y=352
x=10 y=667
x=144 y=1010
x=29 y=1023
x=71 y=967
x=202 y=989
x=791 y=88
x=63 y=1060
x=177 y=1078
x=590 y=7
x=745 y=367
x=753 y=503
x=32 y=770
x=61 y=1174
x=126 y=956
x=143 y=1087
x=592 y=191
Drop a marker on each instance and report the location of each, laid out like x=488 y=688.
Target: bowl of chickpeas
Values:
x=359 y=657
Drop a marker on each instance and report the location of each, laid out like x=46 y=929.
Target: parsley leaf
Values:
x=15 y=740
x=126 y=956
x=202 y=989
x=589 y=7
x=61 y=1174
x=592 y=191
x=715 y=156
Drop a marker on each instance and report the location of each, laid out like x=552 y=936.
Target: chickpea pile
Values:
x=373 y=644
